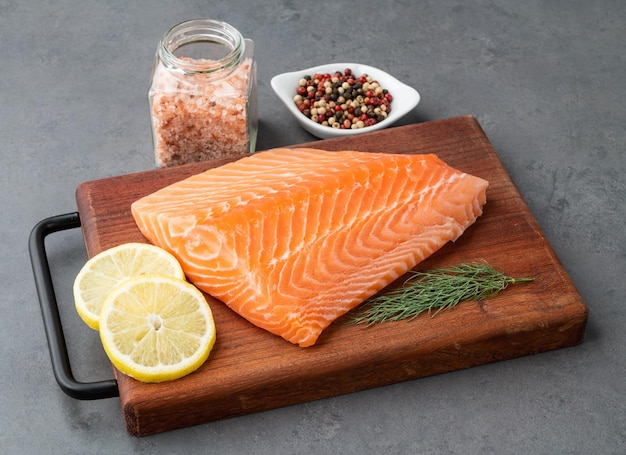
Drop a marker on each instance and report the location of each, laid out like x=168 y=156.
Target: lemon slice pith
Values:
x=156 y=328
x=100 y=274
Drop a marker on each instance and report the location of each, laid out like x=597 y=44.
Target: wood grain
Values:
x=251 y=370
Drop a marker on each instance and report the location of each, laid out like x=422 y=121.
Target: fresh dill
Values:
x=433 y=291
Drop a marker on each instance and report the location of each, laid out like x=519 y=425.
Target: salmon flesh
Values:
x=292 y=239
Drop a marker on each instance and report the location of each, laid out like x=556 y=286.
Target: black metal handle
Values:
x=50 y=313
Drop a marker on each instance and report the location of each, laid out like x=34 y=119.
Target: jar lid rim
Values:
x=201 y=30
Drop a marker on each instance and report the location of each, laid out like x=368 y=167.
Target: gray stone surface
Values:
x=545 y=79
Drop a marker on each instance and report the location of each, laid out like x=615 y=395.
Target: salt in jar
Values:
x=202 y=94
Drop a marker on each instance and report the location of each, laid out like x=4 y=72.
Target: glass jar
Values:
x=202 y=94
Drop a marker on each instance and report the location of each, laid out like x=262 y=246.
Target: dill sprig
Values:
x=433 y=291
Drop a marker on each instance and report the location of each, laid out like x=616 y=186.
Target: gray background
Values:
x=546 y=80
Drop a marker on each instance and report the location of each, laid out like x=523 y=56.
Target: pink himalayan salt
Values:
x=195 y=118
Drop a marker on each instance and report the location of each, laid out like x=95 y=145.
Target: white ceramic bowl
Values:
x=405 y=98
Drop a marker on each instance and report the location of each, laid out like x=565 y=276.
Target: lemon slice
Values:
x=156 y=328
x=100 y=274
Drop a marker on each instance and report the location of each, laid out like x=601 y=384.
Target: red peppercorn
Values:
x=370 y=122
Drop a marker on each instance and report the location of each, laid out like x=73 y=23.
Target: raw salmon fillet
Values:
x=291 y=239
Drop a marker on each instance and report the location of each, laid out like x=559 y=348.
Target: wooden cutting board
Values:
x=250 y=370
